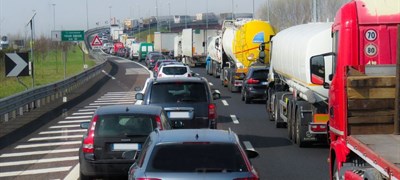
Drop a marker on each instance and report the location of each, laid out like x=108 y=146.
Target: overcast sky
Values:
x=71 y=14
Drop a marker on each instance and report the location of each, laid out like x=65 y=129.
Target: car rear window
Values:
x=178 y=92
x=124 y=125
x=196 y=157
x=174 y=70
x=260 y=74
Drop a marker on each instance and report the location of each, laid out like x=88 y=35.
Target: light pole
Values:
x=169 y=16
x=110 y=13
x=186 y=14
x=54 y=16
x=87 y=15
x=232 y=10
x=206 y=16
x=158 y=30
x=253 y=9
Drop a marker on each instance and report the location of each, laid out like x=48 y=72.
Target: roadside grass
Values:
x=47 y=70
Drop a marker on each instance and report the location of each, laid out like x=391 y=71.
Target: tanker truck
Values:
x=364 y=95
x=239 y=46
x=215 y=55
x=293 y=101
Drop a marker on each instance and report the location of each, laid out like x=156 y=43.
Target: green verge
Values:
x=47 y=70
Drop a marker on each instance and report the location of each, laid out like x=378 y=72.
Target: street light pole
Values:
x=186 y=14
x=110 y=13
x=232 y=10
x=169 y=16
x=87 y=15
x=54 y=16
x=253 y=9
x=158 y=30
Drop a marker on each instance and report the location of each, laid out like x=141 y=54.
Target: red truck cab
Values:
x=361 y=110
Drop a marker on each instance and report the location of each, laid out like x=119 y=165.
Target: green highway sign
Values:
x=72 y=35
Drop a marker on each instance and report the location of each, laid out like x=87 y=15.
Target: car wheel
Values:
x=84 y=177
x=247 y=100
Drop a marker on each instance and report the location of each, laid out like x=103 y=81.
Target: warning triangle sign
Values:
x=96 y=41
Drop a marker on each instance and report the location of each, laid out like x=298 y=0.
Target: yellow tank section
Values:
x=243 y=46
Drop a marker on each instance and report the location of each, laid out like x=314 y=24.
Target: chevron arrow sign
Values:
x=17 y=64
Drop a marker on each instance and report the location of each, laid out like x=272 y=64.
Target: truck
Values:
x=293 y=101
x=363 y=89
x=239 y=48
x=140 y=50
x=178 y=47
x=215 y=55
x=164 y=42
x=194 y=41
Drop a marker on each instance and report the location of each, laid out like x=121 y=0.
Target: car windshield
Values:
x=174 y=70
x=124 y=125
x=260 y=74
x=178 y=92
x=196 y=157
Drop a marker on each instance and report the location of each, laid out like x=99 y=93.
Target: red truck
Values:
x=364 y=90
x=117 y=46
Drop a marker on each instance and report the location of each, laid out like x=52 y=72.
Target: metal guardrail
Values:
x=12 y=106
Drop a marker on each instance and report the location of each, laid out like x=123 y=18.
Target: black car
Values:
x=112 y=131
x=188 y=102
x=255 y=84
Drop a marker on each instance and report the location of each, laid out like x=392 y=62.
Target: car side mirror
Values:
x=139 y=96
x=130 y=154
x=216 y=95
x=251 y=153
x=85 y=125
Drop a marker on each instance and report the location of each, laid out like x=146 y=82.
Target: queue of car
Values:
x=172 y=134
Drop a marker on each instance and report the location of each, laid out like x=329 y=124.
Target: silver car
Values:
x=193 y=154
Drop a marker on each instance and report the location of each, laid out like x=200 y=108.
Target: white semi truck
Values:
x=164 y=41
x=194 y=41
x=294 y=101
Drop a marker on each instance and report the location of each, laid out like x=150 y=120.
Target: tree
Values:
x=286 y=13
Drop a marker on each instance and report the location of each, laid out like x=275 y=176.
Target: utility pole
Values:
x=158 y=30
x=87 y=15
x=169 y=16
x=253 y=10
x=232 y=11
x=186 y=14
x=314 y=11
x=54 y=16
x=269 y=10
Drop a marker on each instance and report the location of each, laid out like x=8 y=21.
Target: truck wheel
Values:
x=300 y=130
x=289 y=119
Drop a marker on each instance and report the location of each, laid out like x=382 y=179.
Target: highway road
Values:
x=51 y=151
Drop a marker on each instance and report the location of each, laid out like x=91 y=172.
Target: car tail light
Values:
x=252 y=81
x=148 y=178
x=88 y=142
x=212 y=112
x=158 y=121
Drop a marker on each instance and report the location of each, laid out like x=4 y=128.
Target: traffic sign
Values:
x=56 y=35
x=17 y=64
x=72 y=35
x=96 y=42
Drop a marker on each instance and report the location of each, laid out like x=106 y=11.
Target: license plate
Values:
x=179 y=114
x=264 y=83
x=125 y=146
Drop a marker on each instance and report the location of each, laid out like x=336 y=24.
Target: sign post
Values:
x=68 y=36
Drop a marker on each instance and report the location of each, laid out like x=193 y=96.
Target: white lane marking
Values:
x=47 y=144
x=18 y=163
x=39 y=152
x=63 y=131
x=217 y=91
x=55 y=137
x=211 y=84
x=225 y=102
x=78 y=117
x=83 y=113
x=73 y=174
x=116 y=92
x=74 y=121
x=248 y=145
x=65 y=126
x=88 y=107
x=86 y=110
x=115 y=101
x=112 y=77
x=234 y=119
x=36 y=171
x=112 y=103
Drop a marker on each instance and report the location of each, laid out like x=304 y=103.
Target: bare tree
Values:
x=287 y=13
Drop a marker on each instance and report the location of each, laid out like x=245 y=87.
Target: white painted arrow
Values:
x=21 y=64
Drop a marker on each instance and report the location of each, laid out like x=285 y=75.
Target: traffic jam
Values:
x=331 y=88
